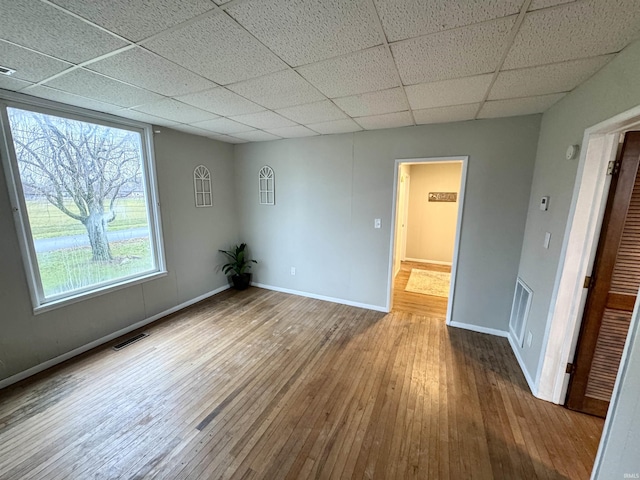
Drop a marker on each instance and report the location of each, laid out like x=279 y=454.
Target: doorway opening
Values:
x=427 y=216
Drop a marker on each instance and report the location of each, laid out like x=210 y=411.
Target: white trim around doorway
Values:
x=464 y=159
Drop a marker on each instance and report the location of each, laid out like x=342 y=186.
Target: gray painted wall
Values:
x=330 y=189
x=191 y=238
x=612 y=90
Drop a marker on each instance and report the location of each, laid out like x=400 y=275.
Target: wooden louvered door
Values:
x=613 y=289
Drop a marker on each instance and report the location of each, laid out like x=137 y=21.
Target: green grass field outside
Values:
x=72 y=268
x=47 y=221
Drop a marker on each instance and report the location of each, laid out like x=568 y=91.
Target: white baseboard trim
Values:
x=422 y=260
x=96 y=343
x=516 y=352
x=321 y=297
x=479 y=329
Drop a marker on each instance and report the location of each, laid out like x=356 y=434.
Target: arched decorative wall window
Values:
x=267 y=186
x=202 y=186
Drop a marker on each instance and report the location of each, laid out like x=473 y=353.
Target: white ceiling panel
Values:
x=448 y=92
x=46 y=29
x=306 y=31
x=539 y=4
x=223 y=125
x=221 y=101
x=264 y=120
x=145 y=117
x=136 y=19
x=576 y=30
x=147 y=70
x=410 y=18
x=278 y=90
x=174 y=110
x=336 y=126
x=558 y=77
x=217 y=48
x=519 y=106
x=360 y=72
x=226 y=138
x=71 y=99
x=388 y=120
x=257 y=136
x=96 y=86
x=292 y=132
x=10 y=83
x=455 y=53
x=191 y=129
x=317 y=112
x=373 y=103
x=455 y=113
x=29 y=65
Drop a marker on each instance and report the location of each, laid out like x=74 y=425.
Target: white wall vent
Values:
x=520 y=311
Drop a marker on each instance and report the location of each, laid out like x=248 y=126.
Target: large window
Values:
x=84 y=197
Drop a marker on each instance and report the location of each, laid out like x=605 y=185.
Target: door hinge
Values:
x=588 y=282
x=570 y=368
x=613 y=167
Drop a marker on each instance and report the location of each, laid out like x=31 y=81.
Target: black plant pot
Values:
x=241 y=282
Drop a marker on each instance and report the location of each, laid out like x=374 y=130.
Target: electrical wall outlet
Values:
x=293 y=270
x=377 y=223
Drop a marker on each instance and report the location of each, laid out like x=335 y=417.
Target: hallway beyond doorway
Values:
x=404 y=301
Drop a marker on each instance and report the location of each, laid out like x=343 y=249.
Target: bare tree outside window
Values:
x=93 y=178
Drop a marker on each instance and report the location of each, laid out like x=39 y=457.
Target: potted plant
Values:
x=238 y=267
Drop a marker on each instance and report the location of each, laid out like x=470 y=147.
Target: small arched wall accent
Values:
x=267 y=187
x=202 y=186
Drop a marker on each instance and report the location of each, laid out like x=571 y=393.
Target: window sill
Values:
x=63 y=302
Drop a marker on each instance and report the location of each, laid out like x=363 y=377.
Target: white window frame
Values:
x=18 y=204
x=267 y=173
x=203 y=174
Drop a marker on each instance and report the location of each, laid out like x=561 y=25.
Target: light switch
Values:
x=547 y=239
x=544 y=204
x=377 y=223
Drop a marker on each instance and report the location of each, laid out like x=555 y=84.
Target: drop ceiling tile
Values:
x=454 y=113
x=10 y=83
x=448 y=92
x=145 y=117
x=278 y=90
x=29 y=65
x=410 y=18
x=191 y=129
x=360 y=72
x=306 y=31
x=227 y=138
x=264 y=120
x=539 y=4
x=221 y=101
x=176 y=111
x=317 y=112
x=292 y=132
x=387 y=120
x=136 y=19
x=558 y=77
x=257 y=136
x=336 y=126
x=46 y=29
x=519 y=106
x=147 y=70
x=223 y=125
x=98 y=87
x=71 y=99
x=217 y=48
x=576 y=30
x=455 y=53
x=373 y=103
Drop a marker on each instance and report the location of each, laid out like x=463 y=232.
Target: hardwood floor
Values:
x=260 y=384
x=404 y=301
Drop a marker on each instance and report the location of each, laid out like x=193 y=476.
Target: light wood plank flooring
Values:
x=260 y=384
x=404 y=301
